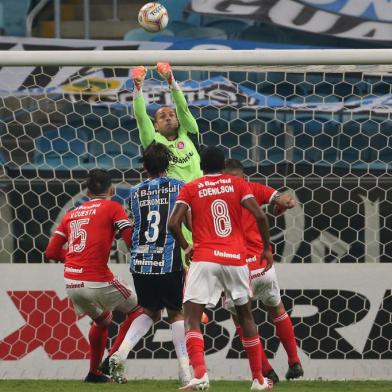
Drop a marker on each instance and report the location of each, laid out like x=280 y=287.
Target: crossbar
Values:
x=257 y=57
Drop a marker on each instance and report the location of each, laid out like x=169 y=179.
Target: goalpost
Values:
x=315 y=122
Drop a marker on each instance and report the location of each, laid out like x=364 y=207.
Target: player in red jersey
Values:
x=218 y=259
x=89 y=231
x=264 y=283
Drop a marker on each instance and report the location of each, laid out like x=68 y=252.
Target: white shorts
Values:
x=265 y=288
x=94 y=298
x=205 y=282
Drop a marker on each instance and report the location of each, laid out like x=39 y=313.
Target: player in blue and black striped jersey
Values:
x=154 y=250
x=155 y=260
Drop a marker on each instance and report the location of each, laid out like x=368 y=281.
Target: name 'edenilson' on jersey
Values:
x=154 y=250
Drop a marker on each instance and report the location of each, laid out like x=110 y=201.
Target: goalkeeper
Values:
x=171 y=127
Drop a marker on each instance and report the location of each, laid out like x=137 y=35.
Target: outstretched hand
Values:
x=165 y=70
x=284 y=202
x=138 y=75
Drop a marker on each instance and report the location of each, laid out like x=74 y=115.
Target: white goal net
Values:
x=323 y=132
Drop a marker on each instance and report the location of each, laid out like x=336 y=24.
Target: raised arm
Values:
x=144 y=123
x=184 y=115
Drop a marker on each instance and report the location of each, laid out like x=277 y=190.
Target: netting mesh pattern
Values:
x=335 y=316
x=317 y=335
x=324 y=136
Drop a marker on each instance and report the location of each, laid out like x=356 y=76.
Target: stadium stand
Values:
x=14 y=15
x=176 y=26
x=202 y=33
x=323 y=134
x=232 y=27
x=1 y=19
x=139 y=34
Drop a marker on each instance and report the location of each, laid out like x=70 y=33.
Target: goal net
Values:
x=322 y=132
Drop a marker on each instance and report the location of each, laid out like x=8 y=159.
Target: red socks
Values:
x=97 y=337
x=285 y=332
x=195 y=347
x=265 y=365
x=122 y=331
x=252 y=346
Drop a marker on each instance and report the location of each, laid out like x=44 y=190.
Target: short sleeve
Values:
x=120 y=218
x=184 y=196
x=263 y=193
x=62 y=229
x=244 y=190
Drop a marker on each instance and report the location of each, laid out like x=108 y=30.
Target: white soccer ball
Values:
x=153 y=17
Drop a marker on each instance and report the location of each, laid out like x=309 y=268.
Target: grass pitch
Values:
x=170 y=386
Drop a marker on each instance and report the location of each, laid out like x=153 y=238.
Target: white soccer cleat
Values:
x=197 y=384
x=184 y=375
x=267 y=385
x=117 y=369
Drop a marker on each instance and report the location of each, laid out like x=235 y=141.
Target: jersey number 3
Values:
x=153 y=219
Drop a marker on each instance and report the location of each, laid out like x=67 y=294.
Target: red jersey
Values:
x=216 y=205
x=254 y=244
x=89 y=230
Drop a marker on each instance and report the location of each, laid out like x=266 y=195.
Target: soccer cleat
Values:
x=273 y=376
x=184 y=375
x=137 y=75
x=197 y=384
x=294 y=372
x=104 y=366
x=165 y=70
x=96 y=378
x=266 y=385
x=117 y=369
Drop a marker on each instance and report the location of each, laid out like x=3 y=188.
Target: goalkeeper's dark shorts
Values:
x=155 y=292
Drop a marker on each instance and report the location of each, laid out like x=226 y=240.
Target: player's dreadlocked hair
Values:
x=233 y=164
x=98 y=181
x=212 y=160
x=156 y=158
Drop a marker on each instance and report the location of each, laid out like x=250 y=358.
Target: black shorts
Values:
x=155 y=292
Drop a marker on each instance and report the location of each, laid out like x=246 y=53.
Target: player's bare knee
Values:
x=274 y=310
x=193 y=313
x=192 y=324
x=174 y=315
x=192 y=321
x=154 y=314
x=235 y=318
x=243 y=309
x=248 y=327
